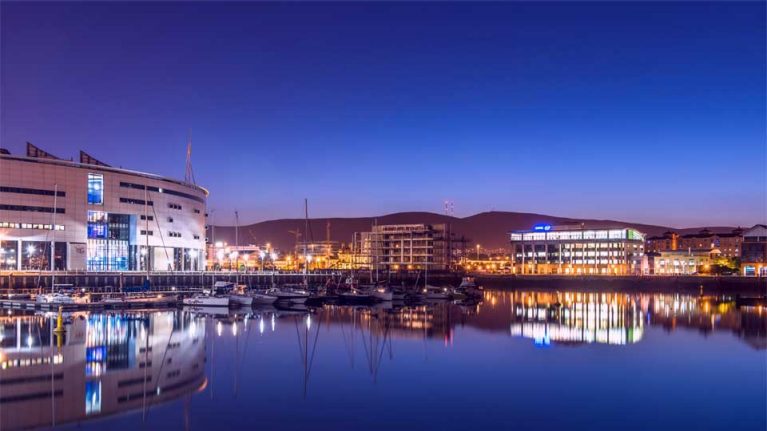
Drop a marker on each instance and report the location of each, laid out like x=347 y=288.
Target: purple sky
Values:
x=650 y=112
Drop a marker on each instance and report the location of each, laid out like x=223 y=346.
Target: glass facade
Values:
x=95 y=189
x=108 y=241
x=9 y=252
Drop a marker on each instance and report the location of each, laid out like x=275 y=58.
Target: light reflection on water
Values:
x=298 y=367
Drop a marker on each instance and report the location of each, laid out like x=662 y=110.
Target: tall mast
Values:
x=53 y=247
x=237 y=244
x=146 y=231
x=306 y=233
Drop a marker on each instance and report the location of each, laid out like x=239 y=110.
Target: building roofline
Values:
x=72 y=164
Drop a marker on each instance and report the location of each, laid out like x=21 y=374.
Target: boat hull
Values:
x=243 y=300
x=207 y=301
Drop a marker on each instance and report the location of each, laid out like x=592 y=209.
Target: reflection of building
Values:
x=404 y=246
x=573 y=249
x=105 y=364
x=576 y=318
x=754 y=259
x=91 y=216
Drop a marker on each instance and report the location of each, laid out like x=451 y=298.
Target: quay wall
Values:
x=11 y=281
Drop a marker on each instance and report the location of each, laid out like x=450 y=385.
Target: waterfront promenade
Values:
x=196 y=280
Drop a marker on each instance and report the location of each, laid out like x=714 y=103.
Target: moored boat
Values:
x=289 y=294
x=434 y=292
x=207 y=301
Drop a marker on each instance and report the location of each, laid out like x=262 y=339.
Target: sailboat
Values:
x=239 y=296
x=54 y=297
x=297 y=295
x=433 y=292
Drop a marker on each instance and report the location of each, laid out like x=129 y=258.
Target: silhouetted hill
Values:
x=488 y=229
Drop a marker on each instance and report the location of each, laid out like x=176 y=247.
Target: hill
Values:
x=488 y=229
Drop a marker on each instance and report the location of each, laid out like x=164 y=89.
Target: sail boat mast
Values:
x=53 y=241
x=237 y=244
x=306 y=233
x=146 y=231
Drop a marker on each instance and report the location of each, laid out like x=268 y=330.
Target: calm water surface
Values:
x=516 y=360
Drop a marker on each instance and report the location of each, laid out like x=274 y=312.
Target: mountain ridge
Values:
x=489 y=229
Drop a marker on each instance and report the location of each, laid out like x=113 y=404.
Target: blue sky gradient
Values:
x=651 y=111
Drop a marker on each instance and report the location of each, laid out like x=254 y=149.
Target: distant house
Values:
x=754 y=255
x=728 y=243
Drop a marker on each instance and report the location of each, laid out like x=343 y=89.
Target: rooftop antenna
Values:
x=449 y=208
x=189 y=175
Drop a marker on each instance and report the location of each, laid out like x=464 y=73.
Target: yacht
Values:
x=382 y=293
x=54 y=298
x=434 y=292
x=356 y=295
x=203 y=300
x=240 y=296
x=470 y=287
x=289 y=294
x=262 y=298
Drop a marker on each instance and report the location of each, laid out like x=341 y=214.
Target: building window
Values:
x=196 y=211
x=196 y=236
x=174 y=234
x=170 y=219
x=174 y=206
x=30 y=209
x=95 y=189
x=144 y=232
x=22 y=190
x=136 y=201
x=150 y=218
x=36 y=226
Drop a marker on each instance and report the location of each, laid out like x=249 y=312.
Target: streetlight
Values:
x=262 y=255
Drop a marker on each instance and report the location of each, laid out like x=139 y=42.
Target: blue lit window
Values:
x=95 y=189
x=92 y=397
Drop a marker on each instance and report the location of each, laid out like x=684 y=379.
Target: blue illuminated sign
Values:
x=542 y=227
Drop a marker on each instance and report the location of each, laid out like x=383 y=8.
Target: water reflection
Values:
x=103 y=364
x=109 y=363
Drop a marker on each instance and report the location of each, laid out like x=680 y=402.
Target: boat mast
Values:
x=306 y=233
x=237 y=244
x=53 y=247
x=146 y=231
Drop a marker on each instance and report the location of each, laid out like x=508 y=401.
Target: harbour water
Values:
x=519 y=359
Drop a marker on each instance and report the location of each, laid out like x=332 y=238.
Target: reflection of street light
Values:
x=477 y=251
x=30 y=249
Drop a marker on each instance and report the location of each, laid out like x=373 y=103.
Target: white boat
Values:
x=240 y=299
x=469 y=287
x=356 y=295
x=207 y=301
x=54 y=298
x=140 y=298
x=263 y=298
x=288 y=294
x=434 y=292
x=382 y=294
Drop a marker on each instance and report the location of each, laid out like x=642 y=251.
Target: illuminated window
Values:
x=95 y=189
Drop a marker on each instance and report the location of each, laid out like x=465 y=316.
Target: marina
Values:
x=189 y=367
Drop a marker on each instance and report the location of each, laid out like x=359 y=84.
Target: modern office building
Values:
x=404 y=247
x=575 y=249
x=89 y=216
x=754 y=259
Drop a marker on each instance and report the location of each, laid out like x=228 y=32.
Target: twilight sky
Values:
x=650 y=112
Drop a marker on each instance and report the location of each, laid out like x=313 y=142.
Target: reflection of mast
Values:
x=375 y=350
x=306 y=358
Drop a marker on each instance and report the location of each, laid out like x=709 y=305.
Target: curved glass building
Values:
x=65 y=215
